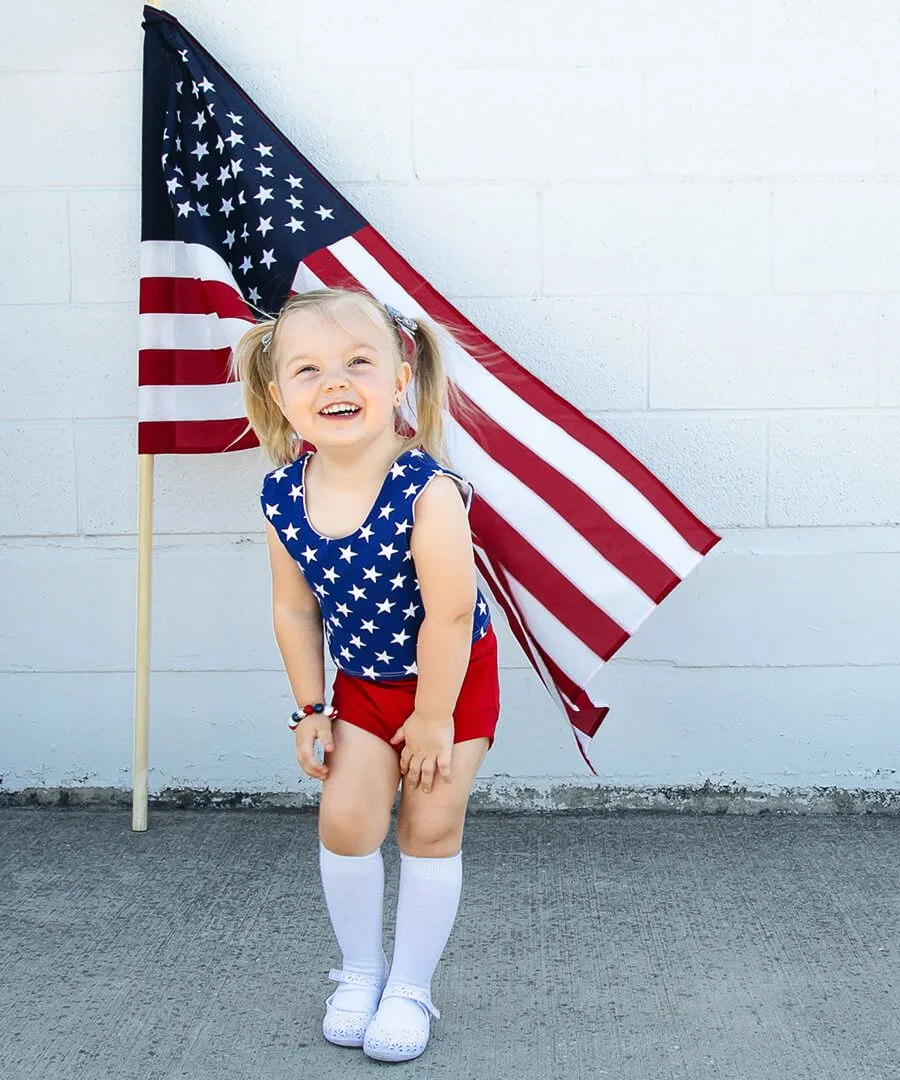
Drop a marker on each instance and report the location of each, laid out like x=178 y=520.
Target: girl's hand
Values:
x=428 y=750
x=312 y=727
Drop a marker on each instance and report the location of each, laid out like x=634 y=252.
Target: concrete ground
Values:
x=629 y=946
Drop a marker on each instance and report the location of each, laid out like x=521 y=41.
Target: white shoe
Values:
x=400 y=1028
x=345 y=1023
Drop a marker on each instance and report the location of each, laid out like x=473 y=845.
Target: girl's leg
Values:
x=429 y=833
x=354 y=817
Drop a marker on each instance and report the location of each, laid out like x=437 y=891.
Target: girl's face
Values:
x=338 y=382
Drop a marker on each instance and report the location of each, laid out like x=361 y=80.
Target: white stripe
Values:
x=173 y=331
x=608 y=488
x=218 y=401
x=178 y=259
x=555 y=647
x=305 y=280
x=549 y=533
x=565 y=649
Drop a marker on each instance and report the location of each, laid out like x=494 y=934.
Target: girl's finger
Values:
x=443 y=764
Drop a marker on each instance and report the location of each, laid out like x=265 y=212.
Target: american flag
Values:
x=575 y=539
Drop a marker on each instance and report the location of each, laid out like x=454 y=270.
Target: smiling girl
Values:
x=371 y=553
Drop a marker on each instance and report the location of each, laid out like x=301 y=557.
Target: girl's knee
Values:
x=429 y=839
x=349 y=828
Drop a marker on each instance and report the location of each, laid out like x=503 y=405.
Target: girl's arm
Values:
x=441 y=545
x=297 y=621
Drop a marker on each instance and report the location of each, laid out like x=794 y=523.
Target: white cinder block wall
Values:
x=685 y=217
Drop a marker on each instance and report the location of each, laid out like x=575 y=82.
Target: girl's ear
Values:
x=273 y=391
x=404 y=374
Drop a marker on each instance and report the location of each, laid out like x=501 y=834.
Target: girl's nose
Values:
x=335 y=380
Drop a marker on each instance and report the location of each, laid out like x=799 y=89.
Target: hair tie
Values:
x=266 y=340
x=402 y=320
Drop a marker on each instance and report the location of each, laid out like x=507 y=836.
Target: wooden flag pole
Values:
x=139 y=775
x=141 y=750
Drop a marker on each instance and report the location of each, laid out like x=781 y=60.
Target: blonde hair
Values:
x=253 y=363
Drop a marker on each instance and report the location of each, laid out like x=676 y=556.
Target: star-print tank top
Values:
x=365 y=582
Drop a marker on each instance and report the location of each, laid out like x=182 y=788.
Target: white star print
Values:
x=357 y=592
x=411 y=490
x=200 y=149
x=347 y=655
x=200 y=120
x=294 y=203
x=263 y=195
x=234 y=138
x=320 y=589
x=184 y=209
x=412 y=669
x=356 y=642
x=246 y=265
x=397 y=470
x=173 y=185
x=397 y=582
x=296 y=492
x=294 y=181
x=203 y=209
x=206 y=85
x=385 y=606
x=369 y=625
x=482 y=607
x=387 y=550
x=409 y=612
x=402 y=527
x=183 y=53
x=400 y=638
x=227 y=207
x=236 y=120
x=366 y=532
x=236 y=168
x=347 y=553
x=265 y=225
x=323 y=213
x=309 y=554
x=386 y=511
x=253 y=295
x=200 y=180
x=271 y=511
x=343 y=609
x=263 y=151
x=383 y=657
x=290 y=533
x=369 y=673
x=229 y=238
x=264 y=170
x=371 y=573
x=224 y=174
x=294 y=225
x=268 y=257
x=331 y=574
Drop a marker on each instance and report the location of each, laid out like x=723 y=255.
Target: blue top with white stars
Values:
x=365 y=582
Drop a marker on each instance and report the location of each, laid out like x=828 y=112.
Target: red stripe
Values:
x=546 y=584
x=188 y=367
x=538 y=395
x=330 y=271
x=607 y=536
x=191 y=296
x=193 y=436
x=585 y=716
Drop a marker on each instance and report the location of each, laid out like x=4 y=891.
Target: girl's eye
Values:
x=364 y=359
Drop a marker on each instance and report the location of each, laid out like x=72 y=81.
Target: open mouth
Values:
x=340 y=412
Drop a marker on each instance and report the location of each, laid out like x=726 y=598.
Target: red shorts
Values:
x=383 y=707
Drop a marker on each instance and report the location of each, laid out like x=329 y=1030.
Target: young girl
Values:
x=369 y=545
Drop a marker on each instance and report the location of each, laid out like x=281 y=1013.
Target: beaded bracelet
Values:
x=329 y=711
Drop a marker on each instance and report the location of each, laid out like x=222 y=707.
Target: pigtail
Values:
x=435 y=392
x=252 y=362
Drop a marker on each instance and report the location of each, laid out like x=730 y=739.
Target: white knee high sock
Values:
x=427 y=903
x=354 y=894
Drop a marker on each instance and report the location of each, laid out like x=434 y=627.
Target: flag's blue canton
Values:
x=365 y=582
x=228 y=178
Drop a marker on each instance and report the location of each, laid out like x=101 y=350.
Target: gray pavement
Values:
x=631 y=946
